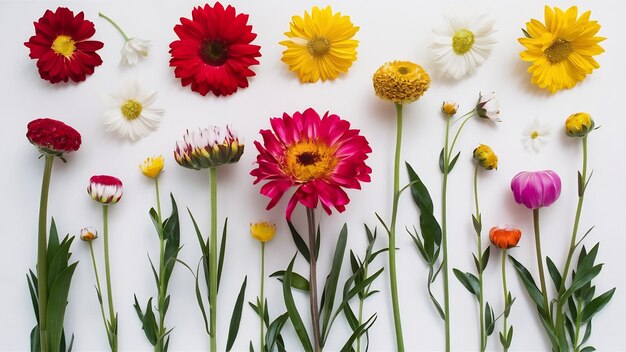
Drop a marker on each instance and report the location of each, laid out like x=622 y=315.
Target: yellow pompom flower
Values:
x=320 y=45
x=485 y=157
x=152 y=166
x=263 y=231
x=579 y=124
x=401 y=82
x=561 y=51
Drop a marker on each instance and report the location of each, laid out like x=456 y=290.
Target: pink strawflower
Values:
x=319 y=156
x=536 y=189
x=105 y=189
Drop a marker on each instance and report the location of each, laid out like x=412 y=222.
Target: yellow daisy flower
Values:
x=320 y=45
x=561 y=50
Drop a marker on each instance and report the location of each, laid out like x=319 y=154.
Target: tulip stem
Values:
x=505 y=329
x=392 y=233
x=542 y=277
x=162 y=288
x=119 y=29
x=481 y=299
x=315 y=313
x=444 y=231
x=213 y=261
x=262 y=300
x=107 y=271
x=95 y=270
x=42 y=246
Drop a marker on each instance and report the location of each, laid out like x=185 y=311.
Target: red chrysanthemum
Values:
x=320 y=157
x=53 y=136
x=214 y=53
x=62 y=48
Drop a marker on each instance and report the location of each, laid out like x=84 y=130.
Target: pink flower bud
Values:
x=536 y=189
x=105 y=189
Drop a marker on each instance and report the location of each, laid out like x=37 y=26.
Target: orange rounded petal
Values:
x=505 y=237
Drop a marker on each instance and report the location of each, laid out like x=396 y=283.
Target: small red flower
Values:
x=53 y=136
x=214 y=51
x=505 y=237
x=320 y=157
x=62 y=48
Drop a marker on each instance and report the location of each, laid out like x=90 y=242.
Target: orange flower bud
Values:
x=505 y=237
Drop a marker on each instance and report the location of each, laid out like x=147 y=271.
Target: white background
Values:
x=389 y=30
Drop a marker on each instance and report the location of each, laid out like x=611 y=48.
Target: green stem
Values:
x=481 y=299
x=542 y=277
x=392 y=233
x=95 y=270
x=581 y=197
x=458 y=132
x=107 y=270
x=213 y=260
x=160 y=346
x=578 y=324
x=505 y=329
x=119 y=29
x=262 y=300
x=315 y=312
x=444 y=233
x=42 y=246
x=361 y=301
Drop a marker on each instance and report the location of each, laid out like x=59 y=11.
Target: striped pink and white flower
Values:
x=105 y=189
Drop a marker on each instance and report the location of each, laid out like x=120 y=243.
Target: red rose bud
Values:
x=105 y=189
x=53 y=137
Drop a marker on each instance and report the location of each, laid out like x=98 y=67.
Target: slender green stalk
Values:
x=505 y=329
x=315 y=312
x=444 y=234
x=361 y=301
x=262 y=300
x=578 y=325
x=213 y=260
x=42 y=248
x=392 y=233
x=107 y=269
x=542 y=277
x=572 y=246
x=119 y=29
x=467 y=117
x=160 y=346
x=95 y=270
x=479 y=240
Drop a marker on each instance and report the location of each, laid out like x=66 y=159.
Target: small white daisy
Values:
x=133 y=49
x=535 y=136
x=463 y=43
x=132 y=115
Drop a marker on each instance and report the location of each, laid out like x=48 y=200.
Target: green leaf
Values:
x=596 y=305
x=300 y=243
x=330 y=288
x=526 y=34
x=581 y=185
x=149 y=325
x=292 y=310
x=485 y=259
x=235 y=320
x=297 y=280
x=273 y=331
x=419 y=192
x=200 y=301
x=478 y=226
x=453 y=162
x=347 y=347
x=60 y=261
x=588 y=349
x=468 y=280
x=490 y=321
x=53 y=242
x=220 y=263
x=442 y=162
x=554 y=273
x=57 y=302
x=204 y=247
x=509 y=337
x=35 y=340
x=154 y=216
x=581 y=279
x=529 y=284
x=587 y=333
x=32 y=289
x=171 y=233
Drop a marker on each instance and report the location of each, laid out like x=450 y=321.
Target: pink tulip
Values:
x=536 y=189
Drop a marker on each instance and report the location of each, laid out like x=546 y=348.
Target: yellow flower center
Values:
x=318 y=46
x=534 y=135
x=64 y=45
x=131 y=109
x=462 y=41
x=558 y=51
x=306 y=161
x=403 y=70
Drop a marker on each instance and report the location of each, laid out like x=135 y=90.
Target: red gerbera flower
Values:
x=52 y=136
x=319 y=156
x=214 y=51
x=61 y=47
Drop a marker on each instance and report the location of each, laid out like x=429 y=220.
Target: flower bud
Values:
x=152 y=166
x=536 y=189
x=208 y=147
x=263 y=231
x=401 y=82
x=105 y=189
x=88 y=234
x=449 y=108
x=505 y=237
x=485 y=157
x=487 y=107
x=579 y=124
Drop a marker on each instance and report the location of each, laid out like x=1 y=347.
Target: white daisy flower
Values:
x=132 y=115
x=463 y=43
x=535 y=136
x=487 y=107
x=133 y=49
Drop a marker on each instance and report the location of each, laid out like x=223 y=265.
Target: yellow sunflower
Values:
x=561 y=50
x=320 y=45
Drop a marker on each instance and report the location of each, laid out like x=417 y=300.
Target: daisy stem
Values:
x=505 y=329
x=42 y=261
x=315 y=316
x=542 y=278
x=262 y=300
x=162 y=289
x=213 y=261
x=95 y=270
x=392 y=233
x=107 y=271
x=119 y=29
x=444 y=231
x=572 y=246
x=481 y=299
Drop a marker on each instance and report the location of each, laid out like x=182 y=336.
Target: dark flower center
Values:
x=308 y=158
x=214 y=53
x=558 y=51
